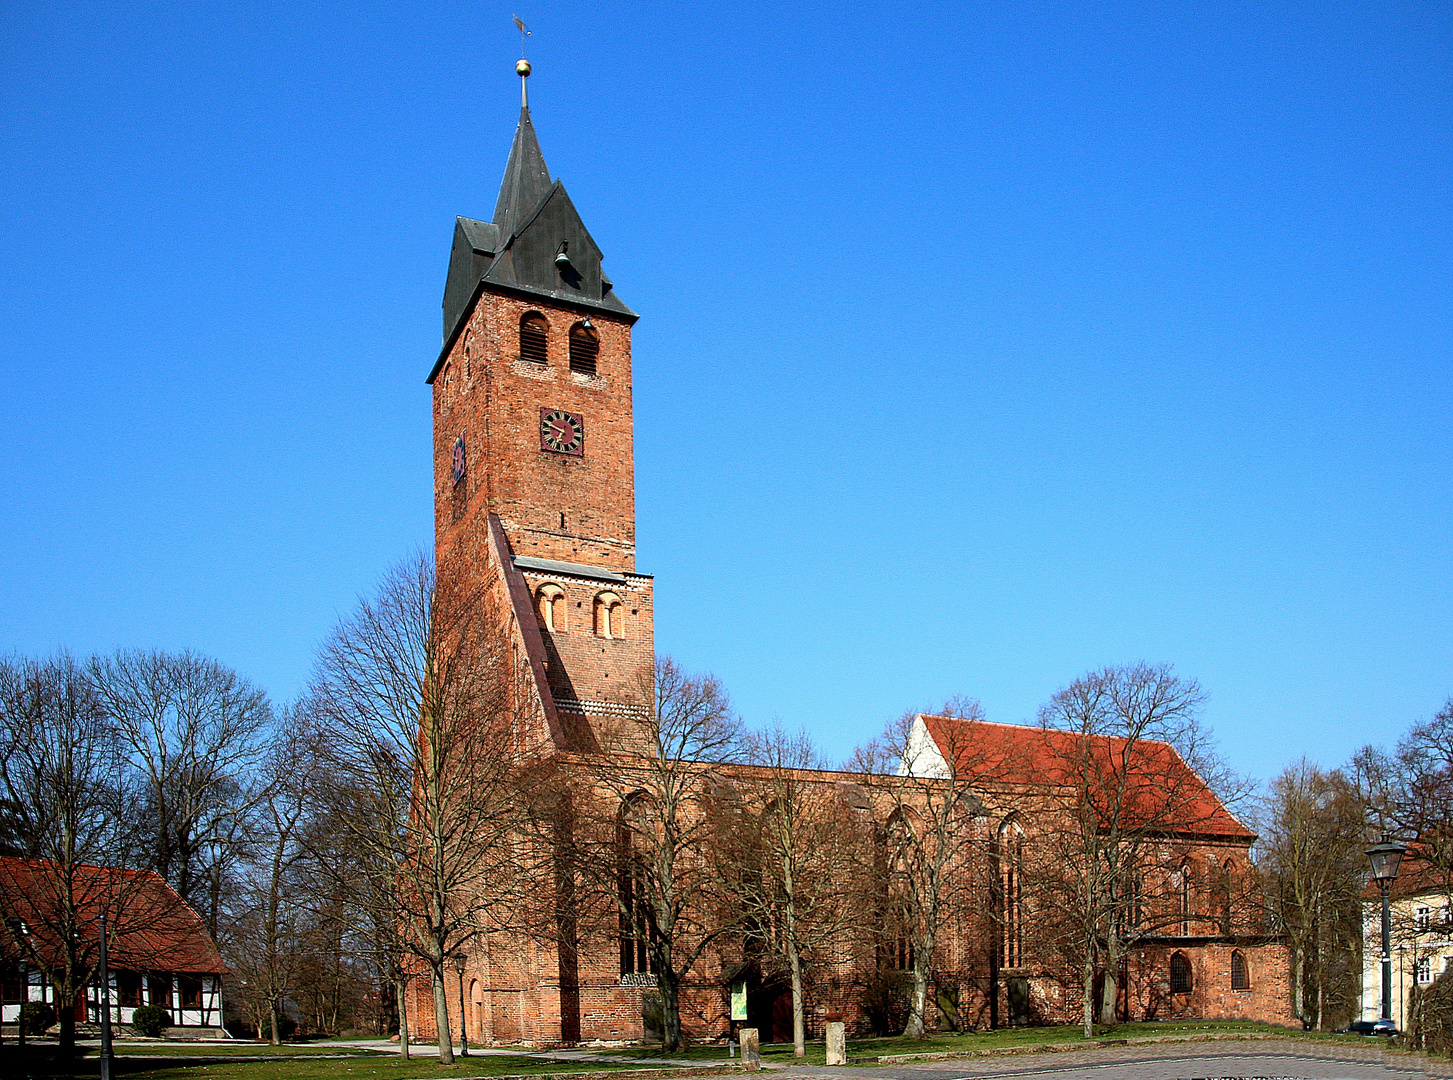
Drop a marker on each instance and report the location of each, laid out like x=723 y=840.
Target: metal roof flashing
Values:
x=554 y=566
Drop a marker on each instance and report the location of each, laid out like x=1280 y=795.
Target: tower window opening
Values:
x=584 y=349
x=534 y=339
x=550 y=599
x=609 y=622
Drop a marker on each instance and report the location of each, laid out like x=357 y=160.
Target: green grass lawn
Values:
x=322 y=1061
x=263 y=1062
x=1005 y=1038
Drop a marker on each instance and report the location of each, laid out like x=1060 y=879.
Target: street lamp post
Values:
x=1385 y=858
x=463 y=1026
x=105 y=1007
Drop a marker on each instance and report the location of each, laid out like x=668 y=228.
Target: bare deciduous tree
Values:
x=1121 y=766
x=193 y=732
x=932 y=837
x=1313 y=832
x=266 y=937
x=644 y=818
x=805 y=859
x=421 y=745
x=64 y=778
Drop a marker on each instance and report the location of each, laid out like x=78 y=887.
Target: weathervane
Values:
x=523 y=67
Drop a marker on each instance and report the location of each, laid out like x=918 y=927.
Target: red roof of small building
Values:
x=1416 y=875
x=152 y=928
x=1044 y=757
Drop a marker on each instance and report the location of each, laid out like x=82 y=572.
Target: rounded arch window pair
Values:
x=610 y=619
x=535 y=343
x=550 y=603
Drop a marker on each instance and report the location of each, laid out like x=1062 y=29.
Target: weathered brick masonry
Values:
x=536 y=516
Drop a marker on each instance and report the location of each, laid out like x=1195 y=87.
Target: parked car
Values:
x=1369 y=1027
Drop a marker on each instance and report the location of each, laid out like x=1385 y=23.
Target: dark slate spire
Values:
x=536 y=245
x=526 y=181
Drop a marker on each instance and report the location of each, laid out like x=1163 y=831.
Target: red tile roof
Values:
x=1415 y=875
x=153 y=929
x=1159 y=782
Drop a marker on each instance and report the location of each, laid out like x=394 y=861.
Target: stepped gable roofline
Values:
x=154 y=929
x=1034 y=756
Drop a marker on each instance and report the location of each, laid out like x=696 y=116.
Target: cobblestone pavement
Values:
x=1175 y=1062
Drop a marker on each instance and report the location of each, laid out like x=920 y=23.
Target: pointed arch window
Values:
x=534 y=339
x=584 y=348
x=1240 y=977
x=899 y=838
x=550 y=601
x=1224 y=888
x=1183 y=897
x=636 y=921
x=1180 y=974
x=609 y=616
x=1011 y=893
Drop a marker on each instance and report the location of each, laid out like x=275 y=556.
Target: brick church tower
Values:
x=534 y=473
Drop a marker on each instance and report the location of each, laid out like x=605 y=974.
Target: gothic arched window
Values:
x=1011 y=893
x=1180 y=974
x=550 y=600
x=1224 y=889
x=584 y=349
x=636 y=920
x=534 y=338
x=1183 y=890
x=1240 y=978
x=901 y=849
x=609 y=620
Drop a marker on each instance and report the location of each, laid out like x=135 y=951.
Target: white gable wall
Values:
x=922 y=756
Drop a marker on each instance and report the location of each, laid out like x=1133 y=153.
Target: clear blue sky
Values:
x=980 y=344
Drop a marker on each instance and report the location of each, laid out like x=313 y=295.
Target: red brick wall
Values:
x=485 y=391
x=525 y=984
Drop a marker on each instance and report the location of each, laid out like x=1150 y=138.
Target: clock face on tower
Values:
x=562 y=432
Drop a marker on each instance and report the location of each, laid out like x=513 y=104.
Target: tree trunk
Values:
x=401 y=991
x=1089 y=995
x=1297 y=975
x=67 y=1017
x=1108 y=993
x=799 y=1025
x=670 y=1009
x=918 y=1002
x=1321 y=975
x=441 y=1016
x=272 y=1010
x=1108 y=988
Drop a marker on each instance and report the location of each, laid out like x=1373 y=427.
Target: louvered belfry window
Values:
x=584 y=348
x=534 y=340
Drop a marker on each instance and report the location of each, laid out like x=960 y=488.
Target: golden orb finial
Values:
x=522 y=68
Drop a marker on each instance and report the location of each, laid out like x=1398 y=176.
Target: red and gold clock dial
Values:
x=562 y=432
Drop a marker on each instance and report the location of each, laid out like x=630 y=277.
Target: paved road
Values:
x=1172 y=1062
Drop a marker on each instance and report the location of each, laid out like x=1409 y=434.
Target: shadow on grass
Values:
x=47 y=1063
